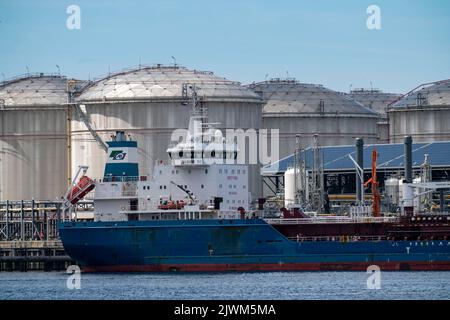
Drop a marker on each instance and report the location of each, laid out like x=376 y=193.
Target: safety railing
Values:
x=314 y=220
x=341 y=238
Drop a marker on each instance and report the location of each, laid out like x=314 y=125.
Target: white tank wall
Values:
x=151 y=125
x=424 y=124
x=33 y=161
x=332 y=130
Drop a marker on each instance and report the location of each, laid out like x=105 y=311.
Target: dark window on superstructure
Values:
x=133 y=217
x=133 y=205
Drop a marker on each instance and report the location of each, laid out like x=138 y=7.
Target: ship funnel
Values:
x=408 y=159
x=408 y=194
x=122 y=162
x=360 y=161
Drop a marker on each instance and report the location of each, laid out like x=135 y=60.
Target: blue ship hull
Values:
x=227 y=245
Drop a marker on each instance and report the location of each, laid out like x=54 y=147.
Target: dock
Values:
x=33 y=256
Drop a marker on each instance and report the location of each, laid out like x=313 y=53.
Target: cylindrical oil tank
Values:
x=147 y=103
x=423 y=113
x=33 y=137
x=392 y=190
x=377 y=101
x=289 y=187
x=307 y=109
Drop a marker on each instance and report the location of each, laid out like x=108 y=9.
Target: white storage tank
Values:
x=392 y=190
x=289 y=187
x=306 y=109
x=33 y=137
x=146 y=103
x=423 y=113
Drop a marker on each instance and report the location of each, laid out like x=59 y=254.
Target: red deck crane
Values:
x=374 y=183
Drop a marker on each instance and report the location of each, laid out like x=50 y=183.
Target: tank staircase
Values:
x=87 y=123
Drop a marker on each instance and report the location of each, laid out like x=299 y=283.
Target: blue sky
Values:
x=319 y=41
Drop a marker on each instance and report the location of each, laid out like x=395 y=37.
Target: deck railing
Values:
x=314 y=220
x=340 y=238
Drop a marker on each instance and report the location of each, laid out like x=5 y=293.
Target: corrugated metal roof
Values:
x=391 y=156
x=376 y=100
x=289 y=96
x=434 y=94
x=162 y=82
x=34 y=90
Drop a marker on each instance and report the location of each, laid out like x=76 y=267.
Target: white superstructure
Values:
x=201 y=180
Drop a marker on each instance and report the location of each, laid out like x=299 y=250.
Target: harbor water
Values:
x=227 y=286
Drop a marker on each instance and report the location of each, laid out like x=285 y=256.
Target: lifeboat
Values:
x=81 y=189
x=172 y=205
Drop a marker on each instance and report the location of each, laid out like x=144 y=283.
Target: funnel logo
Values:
x=117 y=155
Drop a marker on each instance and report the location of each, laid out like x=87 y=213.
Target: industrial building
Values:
x=298 y=108
x=423 y=113
x=33 y=137
x=148 y=104
x=429 y=159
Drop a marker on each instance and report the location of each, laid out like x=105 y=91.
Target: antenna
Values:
x=265 y=77
x=28 y=70
x=59 y=69
x=287 y=74
x=371 y=86
x=174 y=61
x=350 y=87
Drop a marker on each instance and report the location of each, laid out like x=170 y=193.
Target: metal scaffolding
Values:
x=33 y=220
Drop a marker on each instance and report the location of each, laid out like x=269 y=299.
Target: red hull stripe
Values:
x=350 y=266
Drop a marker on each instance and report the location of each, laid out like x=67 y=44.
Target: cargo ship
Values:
x=195 y=214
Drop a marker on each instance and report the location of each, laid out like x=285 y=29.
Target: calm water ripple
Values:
x=226 y=286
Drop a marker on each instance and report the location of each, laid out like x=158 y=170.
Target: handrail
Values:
x=341 y=238
x=314 y=220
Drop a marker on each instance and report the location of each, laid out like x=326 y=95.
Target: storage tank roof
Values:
x=162 y=82
x=374 y=99
x=290 y=96
x=430 y=94
x=34 y=90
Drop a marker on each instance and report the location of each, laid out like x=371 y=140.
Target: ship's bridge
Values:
x=204 y=148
